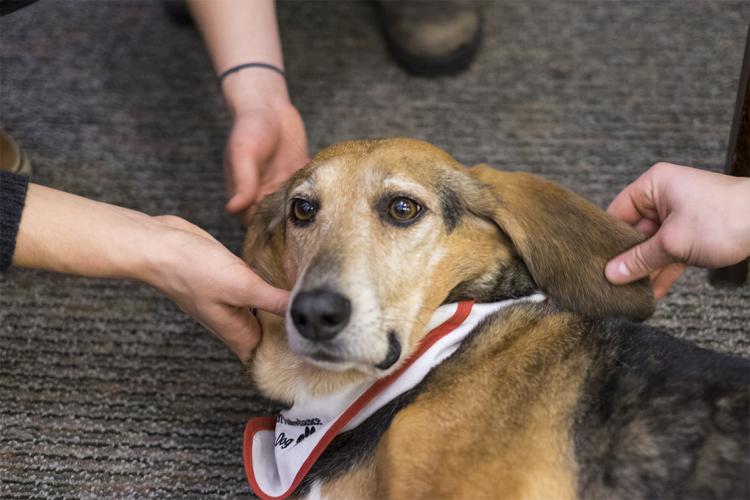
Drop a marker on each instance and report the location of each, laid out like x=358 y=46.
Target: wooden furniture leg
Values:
x=738 y=163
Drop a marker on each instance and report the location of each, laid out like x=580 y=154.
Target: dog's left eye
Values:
x=403 y=209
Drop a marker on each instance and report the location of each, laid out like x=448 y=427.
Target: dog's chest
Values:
x=319 y=440
x=481 y=423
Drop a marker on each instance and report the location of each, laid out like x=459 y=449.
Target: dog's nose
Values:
x=320 y=314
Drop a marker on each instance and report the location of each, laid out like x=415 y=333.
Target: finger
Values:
x=646 y=227
x=666 y=278
x=244 y=182
x=638 y=262
x=635 y=202
x=654 y=276
x=242 y=199
x=239 y=330
x=271 y=299
x=255 y=292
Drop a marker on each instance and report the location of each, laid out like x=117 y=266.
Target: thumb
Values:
x=242 y=199
x=242 y=182
x=253 y=291
x=273 y=300
x=241 y=333
x=638 y=262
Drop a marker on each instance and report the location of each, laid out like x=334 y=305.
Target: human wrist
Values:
x=133 y=242
x=254 y=88
x=159 y=256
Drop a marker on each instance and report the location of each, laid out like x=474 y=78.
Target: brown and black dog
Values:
x=559 y=399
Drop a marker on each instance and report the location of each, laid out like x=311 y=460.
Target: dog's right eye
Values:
x=303 y=211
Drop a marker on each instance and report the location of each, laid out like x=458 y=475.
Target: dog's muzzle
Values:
x=319 y=317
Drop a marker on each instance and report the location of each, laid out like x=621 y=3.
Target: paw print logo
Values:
x=308 y=431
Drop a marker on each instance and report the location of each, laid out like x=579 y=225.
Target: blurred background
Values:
x=108 y=390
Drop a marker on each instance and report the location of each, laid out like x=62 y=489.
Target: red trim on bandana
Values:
x=269 y=423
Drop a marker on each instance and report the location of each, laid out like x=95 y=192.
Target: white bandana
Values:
x=279 y=452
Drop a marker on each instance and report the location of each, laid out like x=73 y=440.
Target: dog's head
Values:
x=372 y=236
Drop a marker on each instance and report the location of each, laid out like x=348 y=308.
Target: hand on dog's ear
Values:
x=564 y=241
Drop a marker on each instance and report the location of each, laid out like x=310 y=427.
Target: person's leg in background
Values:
x=432 y=37
x=13 y=158
x=425 y=37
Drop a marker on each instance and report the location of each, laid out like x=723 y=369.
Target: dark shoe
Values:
x=429 y=37
x=8 y=6
x=13 y=159
x=178 y=12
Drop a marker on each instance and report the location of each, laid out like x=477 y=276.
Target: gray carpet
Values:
x=107 y=390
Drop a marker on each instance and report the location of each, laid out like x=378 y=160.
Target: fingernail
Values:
x=623 y=270
x=617 y=272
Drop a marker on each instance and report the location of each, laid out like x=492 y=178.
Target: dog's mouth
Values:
x=325 y=357
x=328 y=358
x=394 y=352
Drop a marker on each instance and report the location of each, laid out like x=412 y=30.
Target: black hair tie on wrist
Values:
x=240 y=67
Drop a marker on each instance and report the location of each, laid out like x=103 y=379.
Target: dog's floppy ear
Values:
x=264 y=243
x=564 y=240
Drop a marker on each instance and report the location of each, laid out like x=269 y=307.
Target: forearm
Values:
x=65 y=233
x=238 y=32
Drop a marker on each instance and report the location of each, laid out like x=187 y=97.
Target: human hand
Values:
x=65 y=233
x=690 y=217
x=267 y=143
x=210 y=283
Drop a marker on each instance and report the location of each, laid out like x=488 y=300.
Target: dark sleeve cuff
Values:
x=12 y=198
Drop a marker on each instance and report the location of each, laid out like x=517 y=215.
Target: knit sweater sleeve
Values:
x=12 y=199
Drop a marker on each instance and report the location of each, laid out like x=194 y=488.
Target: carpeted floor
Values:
x=108 y=390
